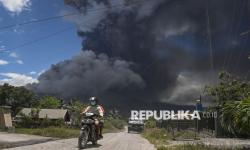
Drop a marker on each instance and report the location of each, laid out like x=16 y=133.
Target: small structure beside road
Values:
x=5 y=117
x=52 y=114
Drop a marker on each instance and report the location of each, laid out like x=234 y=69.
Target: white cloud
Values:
x=19 y=62
x=33 y=72
x=2 y=47
x=13 y=54
x=41 y=72
x=3 y=62
x=16 y=6
x=18 y=30
x=16 y=79
x=173 y=31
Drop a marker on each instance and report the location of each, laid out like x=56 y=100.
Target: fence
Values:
x=206 y=125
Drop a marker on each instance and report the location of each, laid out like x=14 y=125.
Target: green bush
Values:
x=49 y=102
x=28 y=122
x=150 y=123
x=34 y=122
x=109 y=127
x=233 y=99
x=118 y=123
x=235 y=117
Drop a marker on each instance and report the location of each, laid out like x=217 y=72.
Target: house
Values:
x=53 y=114
x=5 y=117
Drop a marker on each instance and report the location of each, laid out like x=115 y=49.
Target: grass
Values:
x=113 y=125
x=109 y=127
x=50 y=132
x=64 y=132
x=162 y=138
x=186 y=135
x=156 y=136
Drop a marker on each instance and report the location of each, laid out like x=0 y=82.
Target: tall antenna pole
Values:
x=209 y=38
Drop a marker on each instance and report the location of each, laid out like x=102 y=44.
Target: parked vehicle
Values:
x=135 y=125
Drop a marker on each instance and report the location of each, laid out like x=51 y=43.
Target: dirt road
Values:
x=111 y=141
x=14 y=140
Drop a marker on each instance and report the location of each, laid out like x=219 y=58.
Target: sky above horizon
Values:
x=160 y=50
x=19 y=64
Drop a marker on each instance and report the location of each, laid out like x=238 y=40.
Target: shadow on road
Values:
x=89 y=146
x=24 y=143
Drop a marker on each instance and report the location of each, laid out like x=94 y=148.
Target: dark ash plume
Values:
x=88 y=74
x=161 y=47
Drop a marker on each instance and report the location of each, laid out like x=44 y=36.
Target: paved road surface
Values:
x=13 y=140
x=111 y=141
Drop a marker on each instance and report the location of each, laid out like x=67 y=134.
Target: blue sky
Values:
x=21 y=65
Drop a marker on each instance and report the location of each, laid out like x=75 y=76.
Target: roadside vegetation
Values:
x=20 y=97
x=160 y=136
x=63 y=131
x=162 y=139
x=156 y=136
x=232 y=97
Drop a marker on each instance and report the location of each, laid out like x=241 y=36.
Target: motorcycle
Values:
x=88 y=131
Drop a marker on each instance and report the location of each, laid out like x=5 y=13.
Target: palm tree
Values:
x=235 y=117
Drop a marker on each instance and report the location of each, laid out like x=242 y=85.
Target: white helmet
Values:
x=93 y=100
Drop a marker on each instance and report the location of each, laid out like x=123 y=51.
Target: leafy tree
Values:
x=17 y=97
x=229 y=89
x=233 y=97
x=49 y=102
x=75 y=108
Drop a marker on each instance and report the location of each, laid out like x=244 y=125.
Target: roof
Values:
x=47 y=113
x=5 y=109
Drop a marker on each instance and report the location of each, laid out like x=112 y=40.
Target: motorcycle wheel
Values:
x=83 y=139
x=94 y=142
x=94 y=139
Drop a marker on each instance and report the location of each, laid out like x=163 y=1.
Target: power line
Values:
x=64 y=15
x=209 y=38
x=227 y=60
x=238 y=13
x=244 y=4
x=36 y=21
x=44 y=37
x=40 y=39
x=230 y=34
x=241 y=13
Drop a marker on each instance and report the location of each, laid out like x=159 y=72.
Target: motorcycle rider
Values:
x=95 y=108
